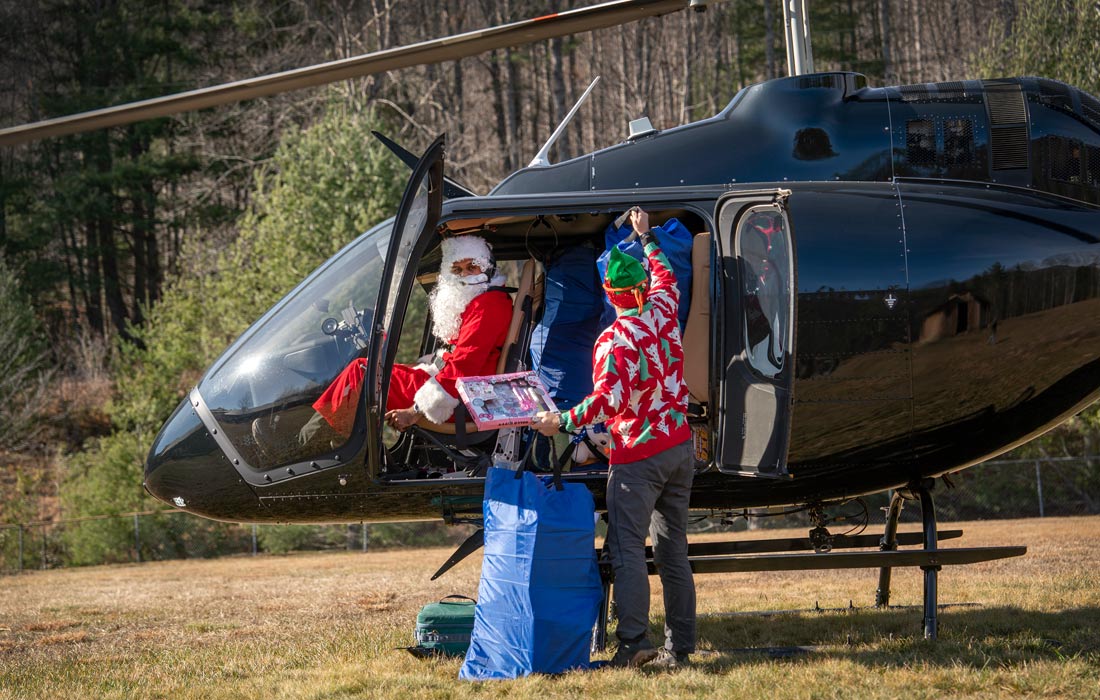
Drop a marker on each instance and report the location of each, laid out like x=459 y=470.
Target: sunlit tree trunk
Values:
x=888 y=70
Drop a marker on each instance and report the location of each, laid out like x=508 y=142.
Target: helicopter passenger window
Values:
x=763 y=244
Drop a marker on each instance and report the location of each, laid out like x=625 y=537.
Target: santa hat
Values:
x=467 y=247
x=625 y=281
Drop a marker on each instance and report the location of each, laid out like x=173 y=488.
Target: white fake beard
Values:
x=448 y=300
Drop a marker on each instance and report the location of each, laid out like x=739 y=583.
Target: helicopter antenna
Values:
x=542 y=158
x=796 y=21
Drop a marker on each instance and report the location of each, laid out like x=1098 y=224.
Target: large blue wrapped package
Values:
x=675 y=244
x=561 y=342
x=540 y=586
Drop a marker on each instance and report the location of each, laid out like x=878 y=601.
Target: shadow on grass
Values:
x=971 y=637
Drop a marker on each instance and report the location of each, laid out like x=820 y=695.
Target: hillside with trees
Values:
x=131 y=257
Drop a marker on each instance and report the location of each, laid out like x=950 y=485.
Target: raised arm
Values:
x=662 y=280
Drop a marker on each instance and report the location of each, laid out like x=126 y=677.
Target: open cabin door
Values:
x=417 y=214
x=756 y=336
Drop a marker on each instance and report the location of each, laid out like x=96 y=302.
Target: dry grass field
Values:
x=327 y=625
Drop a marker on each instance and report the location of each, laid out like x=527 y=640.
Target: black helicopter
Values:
x=937 y=301
x=890 y=284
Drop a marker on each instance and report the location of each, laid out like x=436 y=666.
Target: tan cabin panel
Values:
x=697 y=331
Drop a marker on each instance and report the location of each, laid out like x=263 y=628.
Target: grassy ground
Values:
x=326 y=626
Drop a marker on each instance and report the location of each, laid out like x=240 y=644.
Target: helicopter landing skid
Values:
x=724 y=557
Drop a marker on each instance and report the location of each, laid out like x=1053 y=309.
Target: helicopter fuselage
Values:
x=942 y=262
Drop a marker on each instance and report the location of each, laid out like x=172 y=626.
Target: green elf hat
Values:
x=626 y=280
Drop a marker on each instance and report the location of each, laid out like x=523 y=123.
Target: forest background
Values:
x=130 y=258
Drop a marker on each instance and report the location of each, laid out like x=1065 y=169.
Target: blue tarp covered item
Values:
x=561 y=343
x=540 y=586
x=675 y=244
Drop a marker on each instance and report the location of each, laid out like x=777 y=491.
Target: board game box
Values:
x=502 y=400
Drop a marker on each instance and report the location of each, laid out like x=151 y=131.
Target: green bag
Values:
x=444 y=627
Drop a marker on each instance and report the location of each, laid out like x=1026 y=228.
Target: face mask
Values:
x=475 y=279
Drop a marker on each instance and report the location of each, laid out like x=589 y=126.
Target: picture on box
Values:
x=501 y=400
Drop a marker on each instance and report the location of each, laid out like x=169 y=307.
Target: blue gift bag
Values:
x=540 y=589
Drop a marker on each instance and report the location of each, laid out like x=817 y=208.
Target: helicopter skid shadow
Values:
x=971 y=637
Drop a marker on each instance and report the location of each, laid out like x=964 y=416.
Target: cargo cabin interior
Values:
x=558 y=310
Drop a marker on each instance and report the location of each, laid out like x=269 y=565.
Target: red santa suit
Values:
x=475 y=334
x=475 y=351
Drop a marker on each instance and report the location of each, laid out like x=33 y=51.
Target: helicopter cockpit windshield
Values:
x=263 y=391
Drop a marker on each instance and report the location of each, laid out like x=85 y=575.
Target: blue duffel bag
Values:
x=676 y=243
x=540 y=589
x=561 y=342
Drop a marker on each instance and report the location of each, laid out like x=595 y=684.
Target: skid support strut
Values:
x=889 y=543
x=931 y=572
x=599 y=632
x=921 y=491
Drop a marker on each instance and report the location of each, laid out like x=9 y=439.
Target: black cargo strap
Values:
x=460 y=426
x=554 y=462
x=567 y=454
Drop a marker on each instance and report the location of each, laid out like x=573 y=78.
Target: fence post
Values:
x=20 y=548
x=364 y=537
x=137 y=539
x=43 y=566
x=255 y=549
x=1039 y=487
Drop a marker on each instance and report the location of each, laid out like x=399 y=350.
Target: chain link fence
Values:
x=173 y=534
x=1002 y=489
x=1021 y=488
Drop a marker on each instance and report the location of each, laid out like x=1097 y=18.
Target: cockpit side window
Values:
x=284 y=392
x=764 y=252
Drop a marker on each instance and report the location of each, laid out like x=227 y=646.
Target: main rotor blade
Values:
x=451 y=189
x=449 y=48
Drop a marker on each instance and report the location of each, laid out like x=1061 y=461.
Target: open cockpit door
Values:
x=451 y=189
x=756 y=336
x=417 y=214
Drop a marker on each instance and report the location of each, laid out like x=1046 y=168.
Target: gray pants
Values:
x=652 y=495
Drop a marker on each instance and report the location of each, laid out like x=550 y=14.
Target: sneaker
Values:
x=670 y=661
x=633 y=654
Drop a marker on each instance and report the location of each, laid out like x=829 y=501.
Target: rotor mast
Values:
x=796 y=22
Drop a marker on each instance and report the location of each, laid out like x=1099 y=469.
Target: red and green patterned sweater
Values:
x=637 y=374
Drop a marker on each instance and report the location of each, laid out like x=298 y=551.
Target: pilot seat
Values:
x=460 y=443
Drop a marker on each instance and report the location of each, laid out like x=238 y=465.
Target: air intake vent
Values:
x=1009 y=147
x=914 y=93
x=1065 y=158
x=951 y=91
x=958 y=142
x=920 y=143
x=1005 y=102
x=1090 y=107
x=1092 y=165
x=1055 y=93
x=819 y=81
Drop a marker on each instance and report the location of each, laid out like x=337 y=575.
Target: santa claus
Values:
x=470 y=317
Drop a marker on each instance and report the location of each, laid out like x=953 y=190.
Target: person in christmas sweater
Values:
x=470 y=318
x=639 y=392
